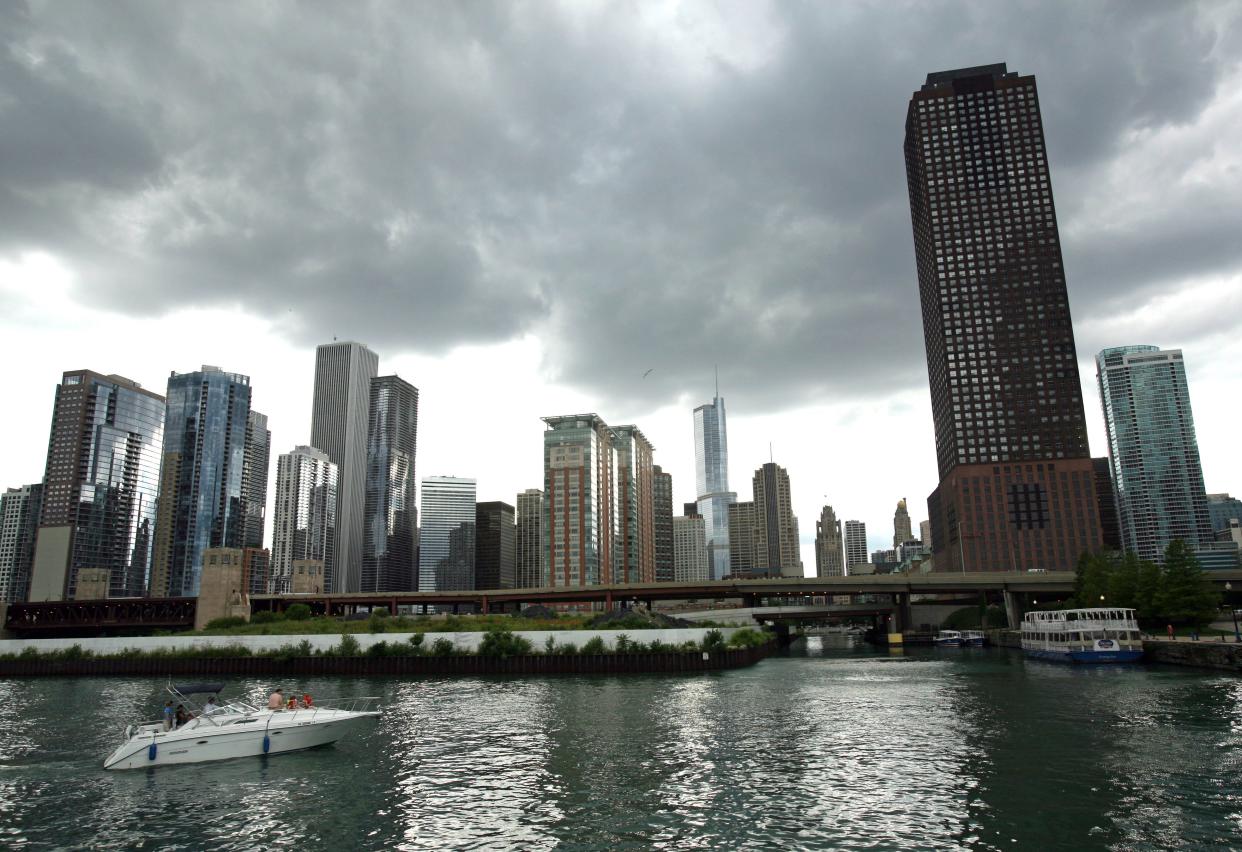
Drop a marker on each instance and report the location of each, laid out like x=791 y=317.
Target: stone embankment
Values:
x=1204 y=654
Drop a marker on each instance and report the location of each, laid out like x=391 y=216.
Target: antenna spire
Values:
x=716 y=369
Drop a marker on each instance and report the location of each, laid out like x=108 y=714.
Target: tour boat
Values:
x=972 y=638
x=948 y=639
x=1092 y=635
x=236 y=729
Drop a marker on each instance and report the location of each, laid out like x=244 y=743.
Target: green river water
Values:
x=827 y=747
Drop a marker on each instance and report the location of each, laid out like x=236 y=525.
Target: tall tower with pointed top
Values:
x=711 y=466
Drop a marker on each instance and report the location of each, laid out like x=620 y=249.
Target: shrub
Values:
x=498 y=642
x=377 y=649
x=225 y=623
x=658 y=647
x=298 y=612
x=747 y=637
x=348 y=646
x=443 y=648
x=380 y=612
x=595 y=645
x=416 y=640
x=264 y=616
x=569 y=649
x=713 y=640
x=625 y=645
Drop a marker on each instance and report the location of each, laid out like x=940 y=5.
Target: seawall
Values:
x=1204 y=654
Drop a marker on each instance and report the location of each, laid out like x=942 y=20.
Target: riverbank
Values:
x=1202 y=654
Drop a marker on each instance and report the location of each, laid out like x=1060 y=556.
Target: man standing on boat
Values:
x=277 y=700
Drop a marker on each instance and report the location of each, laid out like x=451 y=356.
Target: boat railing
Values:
x=363 y=704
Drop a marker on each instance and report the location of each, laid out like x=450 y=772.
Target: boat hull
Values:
x=1118 y=656
x=205 y=744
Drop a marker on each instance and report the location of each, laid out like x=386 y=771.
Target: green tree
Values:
x=1091 y=579
x=1186 y=595
x=1122 y=579
x=298 y=612
x=1147 y=591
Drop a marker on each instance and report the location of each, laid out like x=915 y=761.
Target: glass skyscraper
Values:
x=100 y=486
x=390 y=519
x=1152 y=450
x=711 y=467
x=19 y=525
x=530 y=573
x=304 y=524
x=446 y=538
x=202 y=498
x=255 y=471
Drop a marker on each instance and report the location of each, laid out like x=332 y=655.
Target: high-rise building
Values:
x=304 y=526
x=634 y=543
x=711 y=466
x=256 y=570
x=19 y=526
x=743 y=558
x=662 y=511
x=202 y=502
x=579 y=505
x=691 y=510
x=1153 y=453
x=829 y=548
x=855 y=544
x=901 y=524
x=690 y=559
x=531 y=573
x=925 y=535
x=1016 y=483
x=256 y=468
x=390 y=519
x=1222 y=509
x=447 y=535
x=99 y=487
x=339 y=425
x=495 y=550
x=1106 y=502
x=776 y=527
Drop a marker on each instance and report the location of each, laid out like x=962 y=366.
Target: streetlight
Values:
x=1237 y=637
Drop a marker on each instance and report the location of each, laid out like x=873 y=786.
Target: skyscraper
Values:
x=829 y=549
x=690 y=562
x=634 y=543
x=579 y=506
x=901 y=525
x=1152 y=450
x=447 y=538
x=925 y=535
x=19 y=526
x=855 y=544
x=711 y=466
x=339 y=423
x=1016 y=483
x=743 y=558
x=256 y=468
x=390 y=516
x=763 y=533
x=530 y=565
x=662 y=510
x=202 y=501
x=305 y=514
x=495 y=551
x=1106 y=502
x=1222 y=509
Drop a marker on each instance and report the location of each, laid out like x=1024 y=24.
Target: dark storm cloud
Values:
x=419 y=177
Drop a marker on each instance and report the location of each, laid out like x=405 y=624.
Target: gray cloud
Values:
x=420 y=177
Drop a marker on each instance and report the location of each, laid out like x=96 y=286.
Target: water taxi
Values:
x=948 y=639
x=973 y=638
x=1090 y=635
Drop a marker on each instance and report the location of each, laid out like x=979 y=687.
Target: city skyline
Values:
x=576 y=343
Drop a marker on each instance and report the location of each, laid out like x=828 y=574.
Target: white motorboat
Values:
x=948 y=639
x=236 y=729
x=973 y=638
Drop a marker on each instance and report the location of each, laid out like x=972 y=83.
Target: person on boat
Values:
x=211 y=706
x=277 y=700
x=168 y=716
x=293 y=703
x=306 y=701
x=182 y=715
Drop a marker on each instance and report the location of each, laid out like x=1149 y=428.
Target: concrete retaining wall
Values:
x=1226 y=656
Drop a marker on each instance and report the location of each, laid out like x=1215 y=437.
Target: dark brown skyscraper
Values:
x=662 y=507
x=495 y=550
x=1016 y=482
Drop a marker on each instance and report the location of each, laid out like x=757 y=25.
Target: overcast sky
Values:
x=525 y=207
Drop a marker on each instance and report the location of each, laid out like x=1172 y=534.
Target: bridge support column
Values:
x=485 y=608
x=1013 y=611
x=901 y=613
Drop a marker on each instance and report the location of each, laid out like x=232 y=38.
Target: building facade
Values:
x=1153 y=453
x=531 y=571
x=1016 y=482
x=579 y=505
x=691 y=563
x=446 y=556
x=256 y=469
x=743 y=557
x=1222 y=509
x=777 y=545
x=19 y=527
x=829 y=547
x=711 y=466
x=901 y=524
x=304 y=518
x=495 y=550
x=202 y=502
x=855 y=544
x=339 y=426
x=662 y=513
x=390 y=517
x=634 y=542
x=1106 y=502
x=100 y=486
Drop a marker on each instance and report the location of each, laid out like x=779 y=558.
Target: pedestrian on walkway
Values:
x=1171 y=637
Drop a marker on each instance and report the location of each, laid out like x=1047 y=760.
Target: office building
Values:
x=202 y=502
x=743 y=558
x=829 y=547
x=925 y=535
x=495 y=549
x=1016 y=482
x=99 y=487
x=256 y=570
x=1222 y=509
x=256 y=467
x=855 y=544
x=1106 y=503
x=304 y=518
x=634 y=543
x=339 y=427
x=19 y=526
x=530 y=570
x=390 y=517
x=711 y=466
x=690 y=559
x=901 y=524
x=1153 y=453
x=447 y=534
x=763 y=533
x=580 y=503
x=662 y=512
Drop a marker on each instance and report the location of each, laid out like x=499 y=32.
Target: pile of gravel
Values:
x=537 y=611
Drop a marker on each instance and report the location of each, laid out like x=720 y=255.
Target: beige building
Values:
x=901 y=524
x=530 y=571
x=742 y=559
x=222 y=588
x=829 y=547
x=690 y=556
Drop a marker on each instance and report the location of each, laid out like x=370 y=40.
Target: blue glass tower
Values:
x=711 y=468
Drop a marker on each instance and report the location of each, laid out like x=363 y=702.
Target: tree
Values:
x=1091 y=579
x=1186 y=596
x=1147 y=592
x=1123 y=580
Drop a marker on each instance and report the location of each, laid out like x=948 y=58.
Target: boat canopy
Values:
x=196 y=688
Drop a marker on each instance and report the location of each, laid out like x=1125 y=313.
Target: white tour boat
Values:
x=973 y=638
x=1090 y=635
x=948 y=639
x=236 y=729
